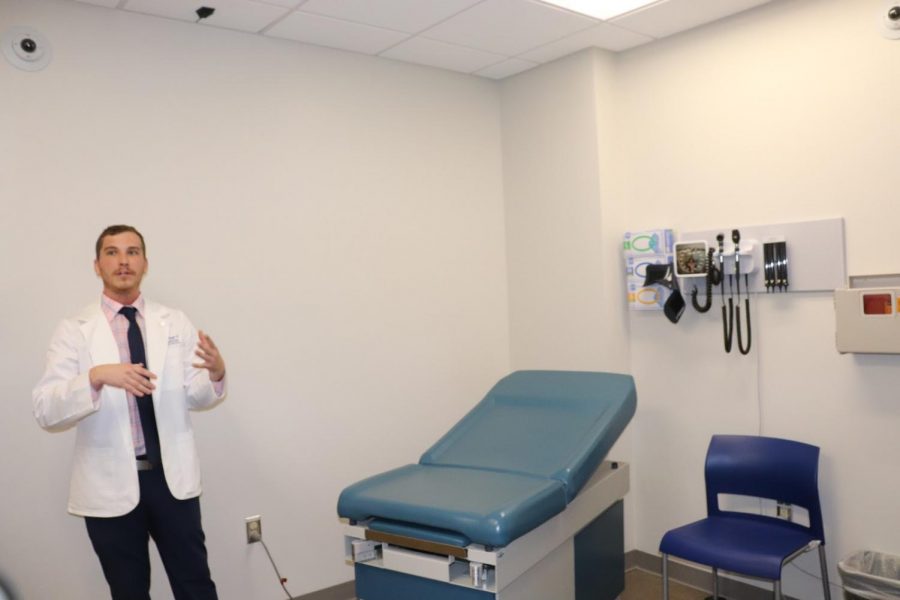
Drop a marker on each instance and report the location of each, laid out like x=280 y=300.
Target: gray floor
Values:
x=643 y=585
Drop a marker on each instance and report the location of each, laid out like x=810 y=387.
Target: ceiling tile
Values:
x=410 y=16
x=335 y=33
x=672 y=16
x=285 y=3
x=107 y=3
x=508 y=27
x=492 y=38
x=243 y=15
x=508 y=67
x=442 y=55
x=604 y=35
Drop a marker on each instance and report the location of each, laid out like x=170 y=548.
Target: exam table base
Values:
x=589 y=566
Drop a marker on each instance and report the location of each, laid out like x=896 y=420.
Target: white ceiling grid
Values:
x=489 y=38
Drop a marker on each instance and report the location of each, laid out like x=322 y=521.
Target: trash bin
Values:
x=869 y=575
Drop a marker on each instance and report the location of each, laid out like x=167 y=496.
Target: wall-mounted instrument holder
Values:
x=735 y=263
x=750 y=260
x=816 y=263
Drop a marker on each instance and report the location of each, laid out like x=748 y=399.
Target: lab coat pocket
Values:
x=184 y=481
x=96 y=478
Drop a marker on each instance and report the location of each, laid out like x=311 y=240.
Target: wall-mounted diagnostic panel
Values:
x=811 y=252
x=867 y=315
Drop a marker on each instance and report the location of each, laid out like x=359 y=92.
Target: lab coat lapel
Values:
x=156 y=323
x=101 y=343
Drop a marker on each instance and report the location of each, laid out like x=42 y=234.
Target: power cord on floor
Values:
x=281 y=580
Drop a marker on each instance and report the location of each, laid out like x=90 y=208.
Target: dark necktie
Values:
x=144 y=403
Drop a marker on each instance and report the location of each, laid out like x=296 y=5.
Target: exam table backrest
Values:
x=552 y=424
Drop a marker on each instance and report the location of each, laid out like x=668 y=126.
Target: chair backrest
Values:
x=764 y=467
x=551 y=424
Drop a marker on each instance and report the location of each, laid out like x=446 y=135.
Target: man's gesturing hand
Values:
x=134 y=379
x=210 y=358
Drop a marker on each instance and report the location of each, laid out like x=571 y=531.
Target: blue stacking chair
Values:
x=752 y=544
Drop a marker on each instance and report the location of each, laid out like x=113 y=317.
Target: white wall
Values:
x=561 y=214
x=783 y=113
x=787 y=112
x=564 y=222
x=335 y=221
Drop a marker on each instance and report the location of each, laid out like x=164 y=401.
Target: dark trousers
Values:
x=122 y=544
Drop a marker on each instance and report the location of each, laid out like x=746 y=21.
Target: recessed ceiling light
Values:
x=601 y=9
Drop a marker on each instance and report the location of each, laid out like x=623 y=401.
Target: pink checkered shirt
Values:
x=119 y=326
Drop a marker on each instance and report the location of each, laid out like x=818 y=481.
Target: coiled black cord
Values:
x=743 y=350
x=713 y=277
x=728 y=317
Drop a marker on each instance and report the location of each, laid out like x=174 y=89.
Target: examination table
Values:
x=515 y=502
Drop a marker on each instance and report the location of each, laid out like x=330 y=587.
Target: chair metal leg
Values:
x=823 y=564
x=665 y=577
x=778 y=590
x=715 y=574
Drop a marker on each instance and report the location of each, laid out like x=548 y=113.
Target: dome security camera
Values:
x=28 y=45
x=26 y=49
x=890 y=20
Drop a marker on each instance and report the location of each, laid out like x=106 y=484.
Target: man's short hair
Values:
x=116 y=230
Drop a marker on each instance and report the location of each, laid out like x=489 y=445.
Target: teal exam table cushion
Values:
x=514 y=461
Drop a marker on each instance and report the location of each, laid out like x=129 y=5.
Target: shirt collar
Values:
x=111 y=308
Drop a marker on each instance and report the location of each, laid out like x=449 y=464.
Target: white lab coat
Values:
x=104 y=477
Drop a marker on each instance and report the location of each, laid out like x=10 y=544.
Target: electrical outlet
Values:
x=254 y=529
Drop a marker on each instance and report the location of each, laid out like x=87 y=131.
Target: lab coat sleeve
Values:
x=201 y=393
x=63 y=395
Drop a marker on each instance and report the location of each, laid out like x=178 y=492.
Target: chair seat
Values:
x=748 y=544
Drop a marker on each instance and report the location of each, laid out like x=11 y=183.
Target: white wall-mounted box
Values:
x=867 y=315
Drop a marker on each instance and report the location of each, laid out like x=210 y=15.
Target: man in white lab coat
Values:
x=125 y=372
